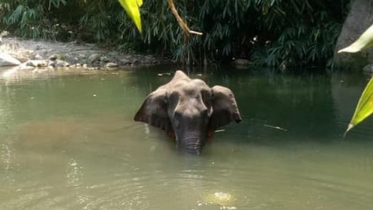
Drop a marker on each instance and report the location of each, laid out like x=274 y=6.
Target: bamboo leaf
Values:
x=132 y=9
x=363 y=42
x=364 y=107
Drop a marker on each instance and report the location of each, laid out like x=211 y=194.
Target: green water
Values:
x=68 y=141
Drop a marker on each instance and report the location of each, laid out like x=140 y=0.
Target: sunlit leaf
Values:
x=132 y=9
x=364 y=107
x=363 y=42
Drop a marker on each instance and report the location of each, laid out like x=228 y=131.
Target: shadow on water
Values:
x=70 y=142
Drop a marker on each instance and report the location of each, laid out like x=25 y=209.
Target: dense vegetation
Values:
x=267 y=32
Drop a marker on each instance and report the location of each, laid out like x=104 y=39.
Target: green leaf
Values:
x=363 y=42
x=364 y=107
x=132 y=9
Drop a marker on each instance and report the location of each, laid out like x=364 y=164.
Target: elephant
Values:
x=189 y=110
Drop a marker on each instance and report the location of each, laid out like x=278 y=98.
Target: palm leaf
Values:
x=363 y=42
x=132 y=9
x=364 y=107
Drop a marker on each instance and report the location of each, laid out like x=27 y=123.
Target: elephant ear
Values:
x=154 y=110
x=224 y=107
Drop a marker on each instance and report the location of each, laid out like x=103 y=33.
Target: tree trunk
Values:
x=358 y=20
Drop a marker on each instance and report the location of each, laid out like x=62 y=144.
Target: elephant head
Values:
x=189 y=110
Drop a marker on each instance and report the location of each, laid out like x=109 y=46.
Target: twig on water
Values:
x=275 y=127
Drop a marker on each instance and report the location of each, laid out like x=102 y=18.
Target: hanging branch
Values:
x=180 y=21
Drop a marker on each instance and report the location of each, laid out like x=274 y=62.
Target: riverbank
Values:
x=30 y=54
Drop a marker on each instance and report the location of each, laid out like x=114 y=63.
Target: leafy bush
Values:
x=268 y=32
x=32 y=19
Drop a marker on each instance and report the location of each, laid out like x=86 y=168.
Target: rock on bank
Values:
x=30 y=53
x=358 y=20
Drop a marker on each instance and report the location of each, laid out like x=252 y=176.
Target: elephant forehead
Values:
x=191 y=106
x=190 y=88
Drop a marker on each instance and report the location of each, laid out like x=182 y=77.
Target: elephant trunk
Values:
x=192 y=145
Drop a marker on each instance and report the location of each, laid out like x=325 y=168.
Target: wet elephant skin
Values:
x=189 y=110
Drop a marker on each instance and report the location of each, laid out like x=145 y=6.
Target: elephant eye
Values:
x=206 y=98
x=204 y=112
x=174 y=96
x=177 y=115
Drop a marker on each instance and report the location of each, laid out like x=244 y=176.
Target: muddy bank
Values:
x=29 y=54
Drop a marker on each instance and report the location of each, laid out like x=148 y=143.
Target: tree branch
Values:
x=180 y=21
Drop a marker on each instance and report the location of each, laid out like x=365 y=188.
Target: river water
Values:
x=68 y=141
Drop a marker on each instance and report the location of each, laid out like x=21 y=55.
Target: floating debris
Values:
x=275 y=127
x=164 y=74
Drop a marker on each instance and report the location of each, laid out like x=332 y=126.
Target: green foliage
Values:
x=30 y=18
x=267 y=32
x=303 y=45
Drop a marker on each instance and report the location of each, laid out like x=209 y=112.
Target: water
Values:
x=68 y=141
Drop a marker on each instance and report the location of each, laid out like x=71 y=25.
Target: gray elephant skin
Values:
x=189 y=110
